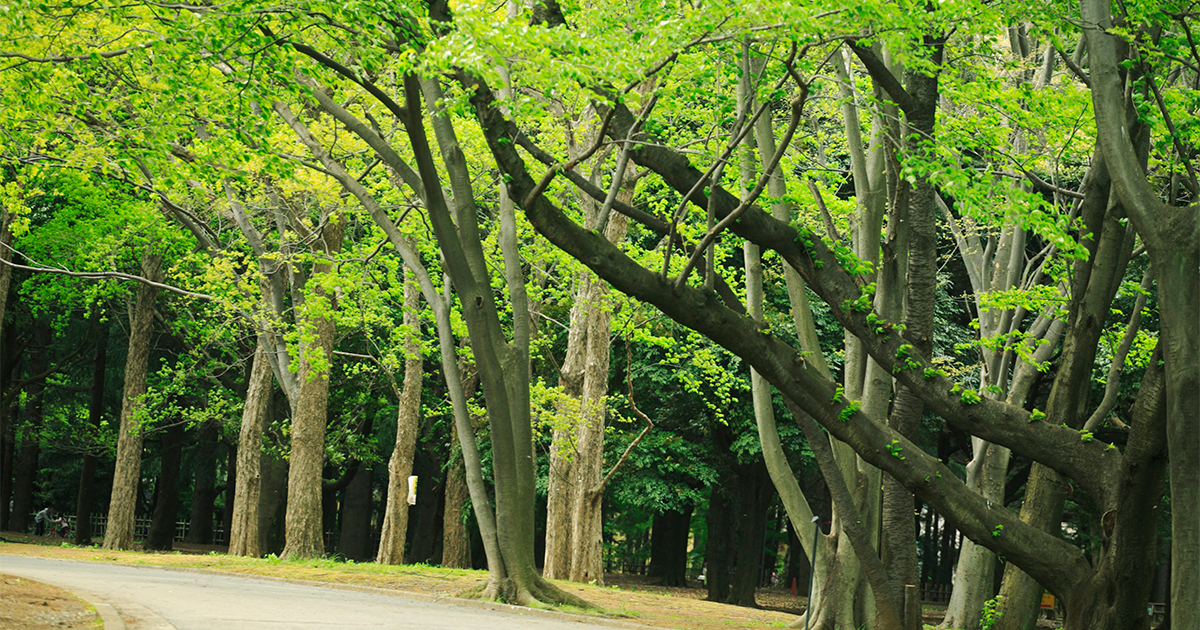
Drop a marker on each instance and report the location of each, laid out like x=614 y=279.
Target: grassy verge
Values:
x=662 y=611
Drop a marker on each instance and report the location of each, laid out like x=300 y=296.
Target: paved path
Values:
x=152 y=598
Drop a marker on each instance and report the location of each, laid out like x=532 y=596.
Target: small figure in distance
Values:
x=59 y=527
x=41 y=519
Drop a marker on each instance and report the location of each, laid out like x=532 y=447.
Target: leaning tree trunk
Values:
x=400 y=466
x=244 y=535
x=123 y=503
x=304 y=528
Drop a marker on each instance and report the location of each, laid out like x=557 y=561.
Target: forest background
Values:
x=954 y=245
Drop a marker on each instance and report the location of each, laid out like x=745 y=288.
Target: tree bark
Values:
x=408 y=418
x=122 y=505
x=87 y=471
x=304 y=528
x=719 y=552
x=1172 y=237
x=166 y=490
x=244 y=533
x=355 y=537
x=204 y=486
x=456 y=540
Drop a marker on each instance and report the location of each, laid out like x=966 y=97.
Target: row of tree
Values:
x=300 y=178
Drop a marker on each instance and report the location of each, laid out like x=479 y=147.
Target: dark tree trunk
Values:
x=719 y=553
x=166 y=507
x=27 y=458
x=755 y=493
x=272 y=504
x=354 y=541
x=204 y=488
x=8 y=437
x=25 y=474
x=87 y=473
x=425 y=538
x=668 y=556
x=230 y=490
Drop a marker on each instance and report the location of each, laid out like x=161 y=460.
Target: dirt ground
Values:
x=29 y=605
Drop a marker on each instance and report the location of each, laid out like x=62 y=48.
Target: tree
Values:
x=995 y=422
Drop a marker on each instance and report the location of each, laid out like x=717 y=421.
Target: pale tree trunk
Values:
x=840 y=594
x=587 y=558
x=573 y=518
x=1095 y=281
x=408 y=419
x=244 y=536
x=480 y=500
x=304 y=528
x=123 y=502
x=796 y=505
x=503 y=366
x=998 y=267
x=1172 y=237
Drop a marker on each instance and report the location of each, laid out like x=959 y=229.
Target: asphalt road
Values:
x=151 y=598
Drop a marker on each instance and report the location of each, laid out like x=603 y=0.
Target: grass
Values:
x=634 y=606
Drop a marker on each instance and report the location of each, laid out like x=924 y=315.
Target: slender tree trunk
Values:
x=122 y=506
x=400 y=466
x=5 y=256
x=166 y=507
x=304 y=527
x=204 y=487
x=244 y=532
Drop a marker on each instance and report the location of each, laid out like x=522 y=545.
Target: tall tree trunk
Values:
x=408 y=419
x=1173 y=241
x=899 y=528
x=26 y=468
x=123 y=502
x=304 y=527
x=456 y=540
x=166 y=507
x=573 y=518
x=244 y=533
x=355 y=537
x=503 y=367
x=6 y=219
x=87 y=471
x=1095 y=281
x=753 y=499
x=204 y=487
x=718 y=555
x=587 y=557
